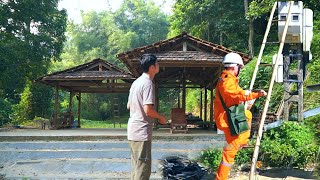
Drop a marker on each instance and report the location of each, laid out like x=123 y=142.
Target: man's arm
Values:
x=129 y=101
x=151 y=112
x=232 y=91
x=128 y=105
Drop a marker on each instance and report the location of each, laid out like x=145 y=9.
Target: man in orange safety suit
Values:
x=232 y=94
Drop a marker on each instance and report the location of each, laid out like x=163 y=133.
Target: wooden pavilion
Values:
x=97 y=76
x=185 y=62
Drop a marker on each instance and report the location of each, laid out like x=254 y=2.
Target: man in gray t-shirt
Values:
x=141 y=105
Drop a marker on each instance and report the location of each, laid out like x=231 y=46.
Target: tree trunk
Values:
x=250 y=25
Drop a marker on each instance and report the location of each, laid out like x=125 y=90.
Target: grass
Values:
x=85 y=123
x=102 y=124
x=119 y=123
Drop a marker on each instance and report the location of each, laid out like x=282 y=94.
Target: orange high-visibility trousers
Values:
x=234 y=144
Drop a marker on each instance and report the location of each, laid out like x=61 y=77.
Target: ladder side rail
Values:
x=256 y=149
x=263 y=46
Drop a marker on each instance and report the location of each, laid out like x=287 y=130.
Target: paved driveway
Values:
x=35 y=154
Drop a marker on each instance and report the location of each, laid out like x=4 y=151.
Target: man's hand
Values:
x=162 y=120
x=262 y=93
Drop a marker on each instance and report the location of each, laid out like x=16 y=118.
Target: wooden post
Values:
x=179 y=99
x=211 y=108
x=157 y=96
x=56 y=108
x=200 y=103
x=70 y=108
x=79 y=110
x=184 y=93
x=205 y=104
x=156 y=122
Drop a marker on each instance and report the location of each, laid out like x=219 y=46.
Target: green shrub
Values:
x=21 y=112
x=211 y=158
x=292 y=144
x=244 y=156
x=5 y=111
x=314 y=124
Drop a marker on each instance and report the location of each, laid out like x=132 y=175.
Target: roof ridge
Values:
x=114 y=68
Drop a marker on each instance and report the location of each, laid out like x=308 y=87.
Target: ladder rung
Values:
x=272 y=42
x=259 y=89
x=265 y=64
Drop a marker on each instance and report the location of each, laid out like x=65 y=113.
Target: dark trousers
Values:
x=140 y=160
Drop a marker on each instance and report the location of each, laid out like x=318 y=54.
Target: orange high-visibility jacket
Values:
x=232 y=94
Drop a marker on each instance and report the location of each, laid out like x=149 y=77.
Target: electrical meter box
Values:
x=307 y=29
x=300 y=23
x=294 y=33
x=300 y=29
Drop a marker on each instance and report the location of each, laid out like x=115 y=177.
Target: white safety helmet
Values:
x=232 y=59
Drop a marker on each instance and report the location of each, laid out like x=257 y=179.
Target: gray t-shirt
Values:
x=139 y=124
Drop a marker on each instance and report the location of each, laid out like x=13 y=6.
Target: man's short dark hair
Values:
x=147 y=60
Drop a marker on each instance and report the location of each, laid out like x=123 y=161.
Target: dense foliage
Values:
x=31 y=36
x=32 y=40
x=291 y=145
x=104 y=35
x=213 y=21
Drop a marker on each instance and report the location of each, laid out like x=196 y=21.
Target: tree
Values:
x=104 y=35
x=250 y=25
x=41 y=101
x=32 y=34
x=212 y=20
x=144 y=19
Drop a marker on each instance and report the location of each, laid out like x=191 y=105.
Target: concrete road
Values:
x=85 y=159
x=103 y=154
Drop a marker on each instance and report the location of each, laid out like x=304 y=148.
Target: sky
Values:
x=74 y=7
